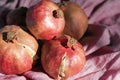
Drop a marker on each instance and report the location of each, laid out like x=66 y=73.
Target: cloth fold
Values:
x=101 y=40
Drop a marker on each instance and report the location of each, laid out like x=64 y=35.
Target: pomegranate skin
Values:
x=45 y=20
x=12 y=63
x=17 y=50
x=61 y=61
x=76 y=20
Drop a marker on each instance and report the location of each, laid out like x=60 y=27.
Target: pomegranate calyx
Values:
x=68 y=42
x=9 y=36
x=58 y=13
x=71 y=43
x=63 y=4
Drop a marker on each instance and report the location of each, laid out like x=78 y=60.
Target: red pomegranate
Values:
x=45 y=20
x=63 y=57
x=17 y=50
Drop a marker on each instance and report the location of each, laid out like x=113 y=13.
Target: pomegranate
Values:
x=63 y=57
x=17 y=50
x=17 y=17
x=76 y=21
x=45 y=20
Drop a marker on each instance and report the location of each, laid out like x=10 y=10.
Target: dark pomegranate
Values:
x=76 y=21
x=63 y=57
x=17 y=17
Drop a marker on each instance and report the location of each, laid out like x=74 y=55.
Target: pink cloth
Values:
x=101 y=41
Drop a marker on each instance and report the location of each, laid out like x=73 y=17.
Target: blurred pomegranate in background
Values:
x=76 y=21
x=17 y=16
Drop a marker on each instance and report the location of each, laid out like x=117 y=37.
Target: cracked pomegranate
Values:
x=63 y=57
x=17 y=50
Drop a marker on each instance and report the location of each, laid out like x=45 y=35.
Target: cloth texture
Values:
x=101 y=40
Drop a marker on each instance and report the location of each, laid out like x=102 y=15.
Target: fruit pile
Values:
x=58 y=25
